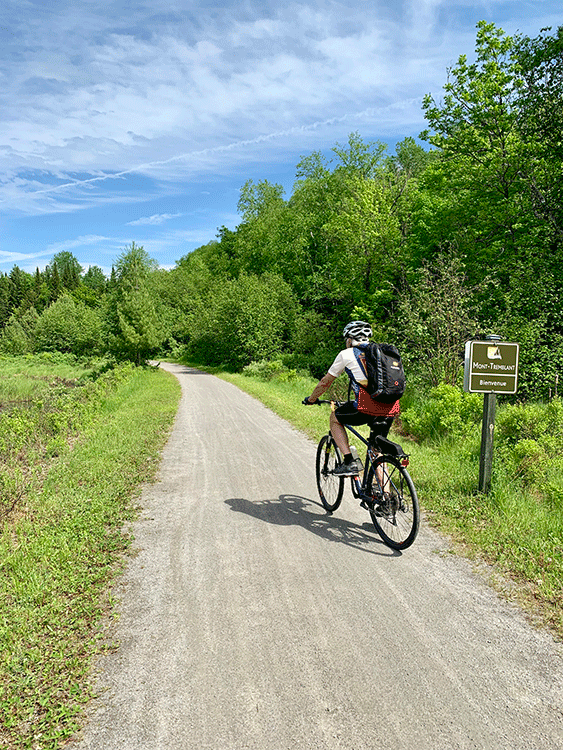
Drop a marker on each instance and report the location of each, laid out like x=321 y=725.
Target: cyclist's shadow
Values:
x=288 y=510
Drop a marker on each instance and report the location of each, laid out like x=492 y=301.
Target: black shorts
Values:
x=348 y=414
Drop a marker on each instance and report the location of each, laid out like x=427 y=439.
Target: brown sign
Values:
x=491 y=367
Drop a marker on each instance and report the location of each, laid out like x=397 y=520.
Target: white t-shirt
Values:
x=346 y=360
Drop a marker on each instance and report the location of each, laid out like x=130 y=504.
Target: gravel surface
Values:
x=249 y=618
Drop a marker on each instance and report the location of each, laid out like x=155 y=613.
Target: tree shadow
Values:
x=290 y=510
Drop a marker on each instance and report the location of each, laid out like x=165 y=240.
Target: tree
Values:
x=5 y=307
x=67 y=268
x=92 y=288
x=19 y=288
x=135 y=329
x=69 y=326
x=435 y=318
x=540 y=107
x=243 y=320
x=256 y=198
x=360 y=158
x=482 y=153
x=134 y=265
x=95 y=279
x=18 y=337
x=495 y=193
x=364 y=230
x=139 y=331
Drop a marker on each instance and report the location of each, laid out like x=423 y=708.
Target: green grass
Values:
x=514 y=529
x=58 y=554
x=62 y=546
x=32 y=377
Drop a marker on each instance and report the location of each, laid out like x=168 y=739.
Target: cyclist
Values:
x=356 y=333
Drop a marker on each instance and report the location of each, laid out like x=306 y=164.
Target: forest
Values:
x=456 y=234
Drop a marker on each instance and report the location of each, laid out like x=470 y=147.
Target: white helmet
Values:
x=358 y=330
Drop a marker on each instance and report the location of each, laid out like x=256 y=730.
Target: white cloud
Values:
x=154 y=220
x=85 y=241
x=95 y=95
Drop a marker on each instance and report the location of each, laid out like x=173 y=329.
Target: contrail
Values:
x=219 y=149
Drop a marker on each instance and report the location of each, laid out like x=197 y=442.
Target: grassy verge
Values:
x=59 y=552
x=511 y=529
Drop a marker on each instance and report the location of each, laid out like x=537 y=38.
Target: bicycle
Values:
x=386 y=489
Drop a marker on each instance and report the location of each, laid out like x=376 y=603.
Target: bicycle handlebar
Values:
x=319 y=401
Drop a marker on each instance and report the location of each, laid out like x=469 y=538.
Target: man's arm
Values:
x=323 y=384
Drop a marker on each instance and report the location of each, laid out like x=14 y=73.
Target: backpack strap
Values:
x=359 y=353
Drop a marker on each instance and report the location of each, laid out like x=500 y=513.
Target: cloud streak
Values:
x=105 y=106
x=106 y=95
x=229 y=147
x=154 y=220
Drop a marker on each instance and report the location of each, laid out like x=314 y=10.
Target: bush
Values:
x=270 y=370
x=19 y=334
x=534 y=421
x=69 y=326
x=447 y=412
x=529 y=441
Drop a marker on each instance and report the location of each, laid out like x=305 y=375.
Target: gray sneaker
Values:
x=346 y=470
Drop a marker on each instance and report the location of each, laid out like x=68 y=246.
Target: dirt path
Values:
x=251 y=619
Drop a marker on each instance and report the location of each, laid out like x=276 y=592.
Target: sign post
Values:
x=491 y=367
x=487 y=435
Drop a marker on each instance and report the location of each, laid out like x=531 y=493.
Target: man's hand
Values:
x=309 y=403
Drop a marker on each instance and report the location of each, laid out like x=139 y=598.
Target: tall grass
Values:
x=58 y=554
x=32 y=377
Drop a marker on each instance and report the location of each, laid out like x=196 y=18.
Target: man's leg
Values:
x=339 y=434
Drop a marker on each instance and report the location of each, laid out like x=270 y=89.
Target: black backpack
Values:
x=385 y=373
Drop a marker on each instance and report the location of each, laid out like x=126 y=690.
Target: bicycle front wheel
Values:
x=330 y=487
x=395 y=513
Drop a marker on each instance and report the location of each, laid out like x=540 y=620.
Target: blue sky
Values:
x=127 y=121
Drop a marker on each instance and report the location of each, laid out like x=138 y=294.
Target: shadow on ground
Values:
x=290 y=510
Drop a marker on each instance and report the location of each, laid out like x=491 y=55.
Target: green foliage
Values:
x=69 y=326
x=67 y=269
x=134 y=321
x=435 y=317
x=18 y=337
x=245 y=319
x=496 y=190
x=533 y=421
x=446 y=412
x=271 y=370
x=530 y=444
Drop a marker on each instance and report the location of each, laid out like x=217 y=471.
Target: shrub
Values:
x=536 y=421
x=270 y=370
x=68 y=326
x=529 y=440
x=447 y=411
x=19 y=333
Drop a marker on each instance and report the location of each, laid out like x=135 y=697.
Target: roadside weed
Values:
x=59 y=551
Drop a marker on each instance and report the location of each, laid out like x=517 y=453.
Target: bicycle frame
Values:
x=385 y=490
x=371 y=455
x=358 y=488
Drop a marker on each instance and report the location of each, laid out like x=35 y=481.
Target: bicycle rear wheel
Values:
x=330 y=487
x=395 y=513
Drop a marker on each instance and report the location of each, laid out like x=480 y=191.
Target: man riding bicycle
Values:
x=357 y=334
